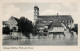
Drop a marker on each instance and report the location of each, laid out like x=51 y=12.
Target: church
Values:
x=52 y=22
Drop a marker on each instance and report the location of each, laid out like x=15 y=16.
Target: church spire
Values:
x=36 y=12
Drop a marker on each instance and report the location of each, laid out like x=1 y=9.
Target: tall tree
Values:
x=25 y=26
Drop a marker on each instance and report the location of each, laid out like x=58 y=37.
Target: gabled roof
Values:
x=16 y=19
x=12 y=17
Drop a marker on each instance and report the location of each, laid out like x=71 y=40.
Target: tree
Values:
x=75 y=28
x=6 y=30
x=25 y=26
x=35 y=31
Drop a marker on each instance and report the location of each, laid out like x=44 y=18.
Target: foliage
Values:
x=6 y=30
x=75 y=29
x=46 y=30
x=35 y=31
x=25 y=26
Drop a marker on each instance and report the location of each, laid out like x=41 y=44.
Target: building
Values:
x=45 y=20
x=56 y=27
x=12 y=23
x=16 y=35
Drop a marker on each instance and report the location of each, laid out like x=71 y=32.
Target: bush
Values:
x=6 y=30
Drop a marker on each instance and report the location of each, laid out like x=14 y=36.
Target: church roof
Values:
x=48 y=17
x=56 y=17
x=65 y=18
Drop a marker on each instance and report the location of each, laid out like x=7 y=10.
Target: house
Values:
x=16 y=35
x=65 y=20
x=56 y=27
x=12 y=23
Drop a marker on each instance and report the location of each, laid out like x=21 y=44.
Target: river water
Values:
x=47 y=40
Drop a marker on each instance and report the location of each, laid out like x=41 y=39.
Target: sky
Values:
x=27 y=10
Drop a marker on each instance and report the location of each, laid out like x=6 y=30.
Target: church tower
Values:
x=36 y=13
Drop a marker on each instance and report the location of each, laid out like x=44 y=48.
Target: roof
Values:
x=56 y=17
x=65 y=18
x=56 y=24
x=48 y=17
x=47 y=23
x=40 y=25
x=36 y=6
x=15 y=18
